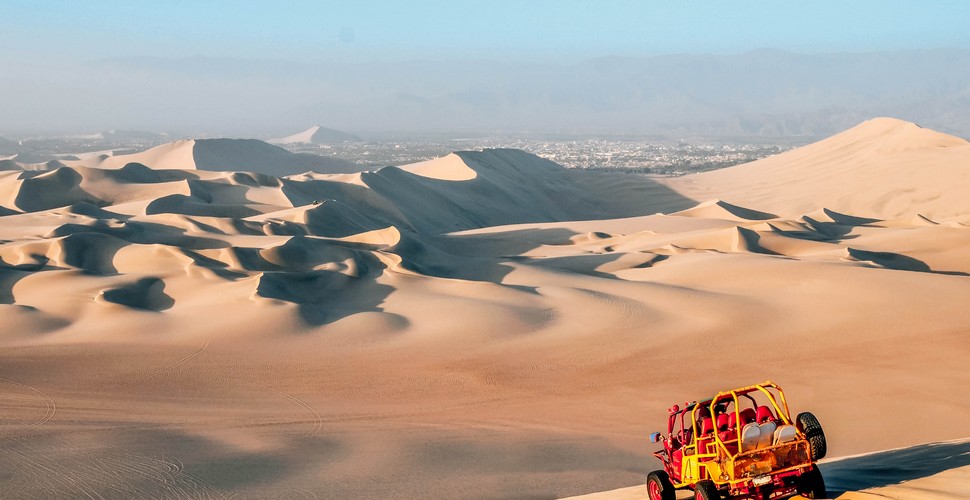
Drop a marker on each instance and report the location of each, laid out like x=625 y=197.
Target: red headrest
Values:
x=722 y=422
x=765 y=415
x=747 y=416
x=707 y=426
x=732 y=420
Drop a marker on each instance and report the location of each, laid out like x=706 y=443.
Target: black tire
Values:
x=811 y=484
x=808 y=424
x=664 y=487
x=705 y=490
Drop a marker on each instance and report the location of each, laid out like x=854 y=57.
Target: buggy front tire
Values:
x=659 y=486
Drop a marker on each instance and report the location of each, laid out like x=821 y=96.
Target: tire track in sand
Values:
x=316 y=420
x=51 y=409
x=158 y=371
x=56 y=468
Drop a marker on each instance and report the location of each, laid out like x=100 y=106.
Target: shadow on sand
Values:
x=894 y=466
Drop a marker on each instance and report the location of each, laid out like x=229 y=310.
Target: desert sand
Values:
x=484 y=325
x=316 y=135
x=219 y=155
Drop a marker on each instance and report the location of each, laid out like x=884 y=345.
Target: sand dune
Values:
x=287 y=237
x=316 y=135
x=487 y=324
x=221 y=155
x=883 y=168
x=717 y=209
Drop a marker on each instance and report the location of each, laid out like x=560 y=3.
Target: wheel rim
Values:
x=654 y=491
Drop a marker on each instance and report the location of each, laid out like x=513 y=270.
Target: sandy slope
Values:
x=484 y=325
x=316 y=135
x=221 y=155
x=884 y=168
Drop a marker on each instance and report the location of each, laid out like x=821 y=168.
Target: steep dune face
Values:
x=486 y=322
x=449 y=168
x=476 y=189
x=53 y=189
x=882 y=168
x=316 y=135
x=222 y=155
x=174 y=155
x=257 y=156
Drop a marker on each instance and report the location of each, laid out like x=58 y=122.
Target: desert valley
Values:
x=188 y=322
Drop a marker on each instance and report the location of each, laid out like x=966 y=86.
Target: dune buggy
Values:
x=740 y=444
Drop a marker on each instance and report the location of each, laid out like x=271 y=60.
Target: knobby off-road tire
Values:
x=705 y=490
x=659 y=486
x=808 y=424
x=812 y=485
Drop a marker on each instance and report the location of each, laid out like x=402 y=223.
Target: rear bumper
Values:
x=781 y=485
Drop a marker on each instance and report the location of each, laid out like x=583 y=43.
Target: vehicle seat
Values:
x=747 y=416
x=722 y=422
x=767 y=433
x=767 y=426
x=702 y=414
x=707 y=426
x=750 y=437
x=725 y=429
x=785 y=434
x=706 y=437
x=764 y=414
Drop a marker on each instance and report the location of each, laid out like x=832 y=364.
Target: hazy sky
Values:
x=315 y=31
x=246 y=67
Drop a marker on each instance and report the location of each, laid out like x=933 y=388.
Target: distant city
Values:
x=659 y=156
x=653 y=156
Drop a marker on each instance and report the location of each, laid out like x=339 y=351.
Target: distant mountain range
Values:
x=759 y=93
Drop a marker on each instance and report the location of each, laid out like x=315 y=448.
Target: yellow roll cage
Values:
x=723 y=467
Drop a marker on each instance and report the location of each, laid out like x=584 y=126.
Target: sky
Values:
x=261 y=67
x=563 y=30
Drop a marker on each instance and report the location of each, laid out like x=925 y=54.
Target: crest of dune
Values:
x=173 y=155
x=316 y=135
x=447 y=168
x=883 y=168
x=224 y=155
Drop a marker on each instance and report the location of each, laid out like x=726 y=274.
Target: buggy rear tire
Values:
x=705 y=490
x=808 y=424
x=659 y=486
x=811 y=484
